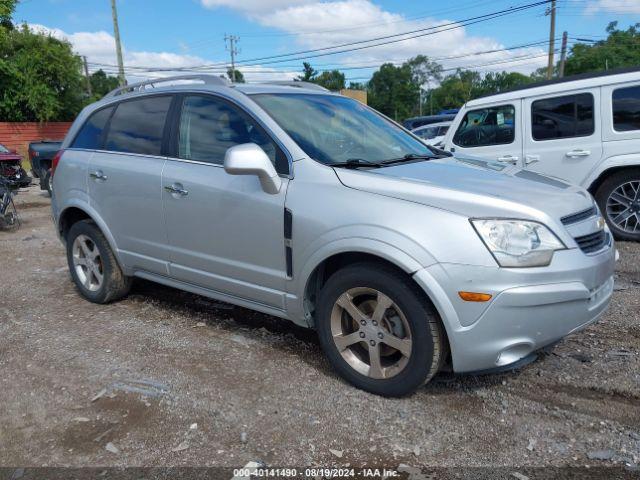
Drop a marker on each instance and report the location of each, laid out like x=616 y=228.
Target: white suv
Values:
x=583 y=129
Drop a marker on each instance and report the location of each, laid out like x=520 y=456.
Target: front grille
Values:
x=593 y=242
x=578 y=217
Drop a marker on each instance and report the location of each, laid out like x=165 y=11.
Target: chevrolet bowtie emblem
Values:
x=600 y=223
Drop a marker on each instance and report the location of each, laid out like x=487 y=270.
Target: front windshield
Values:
x=3 y=149
x=334 y=129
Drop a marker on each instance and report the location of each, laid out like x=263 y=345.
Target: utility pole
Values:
x=116 y=33
x=552 y=37
x=86 y=75
x=233 y=50
x=563 y=54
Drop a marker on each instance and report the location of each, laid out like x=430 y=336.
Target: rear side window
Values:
x=562 y=117
x=626 y=109
x=137 y=126
x=90 y=135
x=210 y=126
x=486 y=126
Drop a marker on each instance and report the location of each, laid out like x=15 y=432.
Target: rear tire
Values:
x=93 y=265
x=619 y=200
x=46 y=182
x=397 y=342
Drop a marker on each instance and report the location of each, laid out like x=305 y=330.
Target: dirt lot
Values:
x=169 y=378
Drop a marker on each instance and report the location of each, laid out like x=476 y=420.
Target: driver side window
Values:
x=486 y=126
x=210 y=126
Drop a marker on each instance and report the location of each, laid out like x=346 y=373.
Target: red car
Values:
x=11 y=168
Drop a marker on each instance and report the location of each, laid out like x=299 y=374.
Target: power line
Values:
x=429 y=31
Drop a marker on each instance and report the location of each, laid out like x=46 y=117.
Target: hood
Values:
x=472 y=187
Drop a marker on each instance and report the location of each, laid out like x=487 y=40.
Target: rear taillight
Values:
x=55 y=161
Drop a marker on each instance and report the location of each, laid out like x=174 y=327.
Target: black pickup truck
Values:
x=41 y=155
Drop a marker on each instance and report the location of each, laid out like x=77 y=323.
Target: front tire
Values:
x=378 y=330
x=93 y=265
x=619 y=200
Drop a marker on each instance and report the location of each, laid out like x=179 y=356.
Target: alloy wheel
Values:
x=623 y=207
x=87 y=263
x=371 y=333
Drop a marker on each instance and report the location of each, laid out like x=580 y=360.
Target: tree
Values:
x=40 y=76
x=392 y=91
x=237 y=78
x=101 y=84
x=308 y=73
x=424 y=70
x=620 y=49
x=502 y=81
x=333 y=80
x=357 y=86
x=7 y=7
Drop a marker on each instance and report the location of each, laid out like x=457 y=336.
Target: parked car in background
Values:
x=41 y=155
x=415 y=122
x=583 y=129
x=11 y=168
x=313 y=207
x=432 y=134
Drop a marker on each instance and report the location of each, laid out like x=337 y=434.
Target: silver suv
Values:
x=310 y=206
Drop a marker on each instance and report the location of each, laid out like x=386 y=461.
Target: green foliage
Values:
x=308 y=73
x=357 y=86
x=423 y=70
x=7 y=7
x=235 y=76
x=620 y=49
x=393 y=91
x=333 y=80
x=40 y=77
x=101 y=84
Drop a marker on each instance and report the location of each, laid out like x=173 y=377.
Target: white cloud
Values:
x=318 y=24
x=623 y=7
x=253 y=6
x=99 y=48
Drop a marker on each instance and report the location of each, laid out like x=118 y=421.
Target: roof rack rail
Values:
x=298 y=84
x=140 y=86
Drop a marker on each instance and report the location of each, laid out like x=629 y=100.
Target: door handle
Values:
x=177 y=190
x=98 y=175
x=529 y=159
x=508 y=159
x=578 y=153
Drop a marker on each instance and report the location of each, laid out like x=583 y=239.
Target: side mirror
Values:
x=250 y=159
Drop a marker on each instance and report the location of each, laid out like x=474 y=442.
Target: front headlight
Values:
x=518 y=243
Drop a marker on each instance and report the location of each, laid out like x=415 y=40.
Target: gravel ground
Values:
x=174 y=379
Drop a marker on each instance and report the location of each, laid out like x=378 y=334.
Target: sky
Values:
x=159 y=36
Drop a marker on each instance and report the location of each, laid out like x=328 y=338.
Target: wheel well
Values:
x=607 y=173
x=329 y=266
x=69 y=217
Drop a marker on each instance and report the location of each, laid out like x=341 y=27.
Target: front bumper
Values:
x=530 y=307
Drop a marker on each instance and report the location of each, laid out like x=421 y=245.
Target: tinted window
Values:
x=137 y=126
x=626 y=109
x=90 y=135
x=562 y=117
x=486 y=126
x=442 y=131
x=210 y=126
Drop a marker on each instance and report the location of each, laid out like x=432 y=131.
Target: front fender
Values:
x=383 y=249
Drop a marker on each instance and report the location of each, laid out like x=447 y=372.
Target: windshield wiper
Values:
x=355 y=163
x=409 y=157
